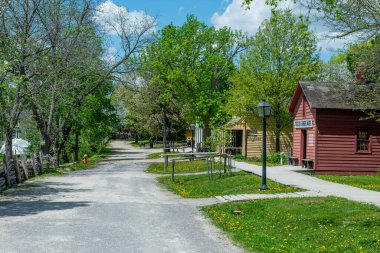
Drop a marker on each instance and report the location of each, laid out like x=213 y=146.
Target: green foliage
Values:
x=365 y=57
x=96 y=119
x=239 y=157
x=199 y=186
x=306 y=225
x=275 y=158
x=346 y=18
x=335 y=70
x=282 y=53
x=93 y=160
x=272 y=159
x=367 y=182
x=192 y=64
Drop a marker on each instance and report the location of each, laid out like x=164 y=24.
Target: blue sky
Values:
x=220 y=13
x=174 y=10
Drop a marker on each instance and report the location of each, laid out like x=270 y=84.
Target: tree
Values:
x=352 y=17
x=72 y=67
x=194 y=62
x=363 y=61
x=20 y=45
x=282 y=53
x=365 y=57
x=345 y=17
x=335 y=70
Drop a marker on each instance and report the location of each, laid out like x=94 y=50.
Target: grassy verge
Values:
x=199 y=186
x=365 y=182
x=158 y=155
x=260 y=163
x=306 y=225
x=63 y=169
x=91 y=161
x=180 y=167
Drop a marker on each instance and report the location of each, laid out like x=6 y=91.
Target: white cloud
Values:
x=249 y=20
x=238 y=17
x=330 y=45
x=114 y=18
x=110 y=55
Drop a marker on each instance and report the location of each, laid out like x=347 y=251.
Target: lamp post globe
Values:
x=264 y=110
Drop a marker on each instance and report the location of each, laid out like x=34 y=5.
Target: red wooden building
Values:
x=328 y=135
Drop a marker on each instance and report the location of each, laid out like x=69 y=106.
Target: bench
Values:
x=307 y=163
x=178 y=148
x=293 y=161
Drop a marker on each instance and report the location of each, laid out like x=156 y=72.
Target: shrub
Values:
x=276 y=158
x=239 y=157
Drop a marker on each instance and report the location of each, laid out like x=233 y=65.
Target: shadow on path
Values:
x=37 y=189
x=21 y=201
x=27 y=207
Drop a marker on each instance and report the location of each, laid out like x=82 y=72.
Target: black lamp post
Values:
x=263 y=109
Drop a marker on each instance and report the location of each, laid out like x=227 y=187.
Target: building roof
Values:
x=327 y=95
x=235 y=120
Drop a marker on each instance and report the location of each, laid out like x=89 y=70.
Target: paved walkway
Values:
x=289 y=175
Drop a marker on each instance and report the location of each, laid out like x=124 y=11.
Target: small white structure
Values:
x=198 y=136
x=19 y=146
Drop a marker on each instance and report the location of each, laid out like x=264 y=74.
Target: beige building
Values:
x=240 y=133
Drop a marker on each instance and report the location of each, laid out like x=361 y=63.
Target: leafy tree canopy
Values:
x=345 y=17
x=282 y=53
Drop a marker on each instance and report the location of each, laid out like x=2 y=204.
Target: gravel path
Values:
x=115 y=207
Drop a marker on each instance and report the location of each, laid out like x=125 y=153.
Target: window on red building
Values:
x=362 y=143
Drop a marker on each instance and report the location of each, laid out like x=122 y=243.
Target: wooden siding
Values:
x=302 y=112
x=336 y=152
x=254 y=144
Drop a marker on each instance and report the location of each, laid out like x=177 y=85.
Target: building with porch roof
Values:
x=329 y=136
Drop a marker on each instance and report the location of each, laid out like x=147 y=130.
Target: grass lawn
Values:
x=63 y=169
x=260 y=163
x=180 y=167
x=57 y=173
x=158 y=155
x=269 y=164
x=198 y=186
x=366 y=182
x=306 y=225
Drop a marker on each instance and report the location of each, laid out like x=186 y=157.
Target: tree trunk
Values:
x=8 y=157
x=278 y=144
x=76 y=154
x=65 y=156
x=17 y=170
x=61 y=146
x=165 y=133
x=206 y=131
x=56 y=154
x=56 y=145
x=45 y=144
x=8 y=145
